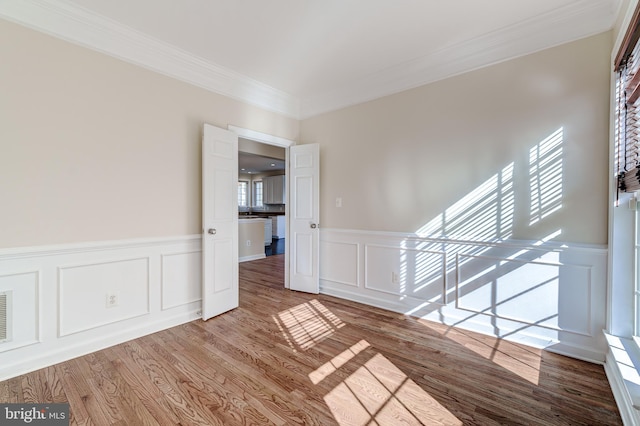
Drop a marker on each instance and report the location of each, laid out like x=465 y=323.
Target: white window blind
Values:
x=243 y=187
x=627 y=131
x=257 y=193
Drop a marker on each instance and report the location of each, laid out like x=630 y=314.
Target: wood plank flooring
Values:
x=287 y=358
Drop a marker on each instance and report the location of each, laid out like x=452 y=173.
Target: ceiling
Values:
x=304 y=57
x=253 y=163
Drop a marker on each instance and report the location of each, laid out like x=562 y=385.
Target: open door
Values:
x=219 y=221
x=304 y=215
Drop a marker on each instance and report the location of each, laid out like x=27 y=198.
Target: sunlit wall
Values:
x=516 y=150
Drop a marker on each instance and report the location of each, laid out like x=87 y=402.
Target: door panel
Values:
x=220 y=221
x=304 y=218
x=304 y=264
x=223 y=274
x=303 y=203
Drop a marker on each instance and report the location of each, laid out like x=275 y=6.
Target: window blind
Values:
x=627 y=129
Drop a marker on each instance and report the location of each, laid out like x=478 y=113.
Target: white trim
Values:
x=587 y=344
x=587 y=284
x=78 y=25
x=61 y=291
x=54 y=343
x=358 y=256
x=62 y=353
x=511 y=243
x=71 y=248
x=442 y=254
x=623 y=401
x=252 y=257
x=261 y=137
x=81 y=26
x=163 y=266
x=37 y=337
x=574 y=351
x=625 y=385
x=558 y=26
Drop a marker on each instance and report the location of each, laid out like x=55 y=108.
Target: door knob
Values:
x=212 y=231
x=314 y=226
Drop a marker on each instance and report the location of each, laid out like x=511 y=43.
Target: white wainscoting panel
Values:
x=405 y=272
x=546 y=294
x=60 y=296
x=526 y=291
x=181 y=279
x=84 y=290
x=25 y=308
x=339 y=263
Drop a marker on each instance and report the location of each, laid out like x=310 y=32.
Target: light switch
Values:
x=339 y=202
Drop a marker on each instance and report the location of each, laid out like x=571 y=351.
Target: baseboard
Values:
x=61 y=296
x=447 y=317
x=41 y=360
x=252 y=257
x=491 y=287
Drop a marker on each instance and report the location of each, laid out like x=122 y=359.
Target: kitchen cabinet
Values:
x=274 y=190
x=267 y=232
x=278 y=226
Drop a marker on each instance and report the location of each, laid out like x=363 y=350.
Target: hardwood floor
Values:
x=289 y=358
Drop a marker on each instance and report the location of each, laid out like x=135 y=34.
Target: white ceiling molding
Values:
x=80 y=26
x=83 y=27
x=544 y=31
x=261 y=137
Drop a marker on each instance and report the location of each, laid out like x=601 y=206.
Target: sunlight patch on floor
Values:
x=378 y=392
x=337 y=361
x=306 y=324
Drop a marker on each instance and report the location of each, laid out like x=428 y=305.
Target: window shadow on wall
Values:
x=466 y=258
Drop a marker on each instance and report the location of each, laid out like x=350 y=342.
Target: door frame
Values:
x=286 y=144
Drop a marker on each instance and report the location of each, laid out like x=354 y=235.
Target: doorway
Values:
x=262 y=142
x=262 y=196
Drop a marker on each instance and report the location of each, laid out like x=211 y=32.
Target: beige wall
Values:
x=253 y=147
x=411 y=159
x=252 y=231
x=92 y=148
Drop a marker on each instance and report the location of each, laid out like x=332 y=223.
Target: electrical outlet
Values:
x=248 y=243
x=394 y=277
x=339 y=202
x=113 y=299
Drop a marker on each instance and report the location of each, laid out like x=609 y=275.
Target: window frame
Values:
x=257 y=201
x=246 y=192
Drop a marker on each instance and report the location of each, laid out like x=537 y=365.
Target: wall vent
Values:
x=5 y=316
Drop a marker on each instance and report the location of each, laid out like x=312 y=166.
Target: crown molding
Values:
x=80 y=26
x=85 y=28
x=544 y=31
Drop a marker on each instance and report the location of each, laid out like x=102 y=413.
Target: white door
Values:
x=304 y=215
x=219 y=221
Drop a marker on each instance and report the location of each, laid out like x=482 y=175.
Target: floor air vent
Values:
x=5 y=316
